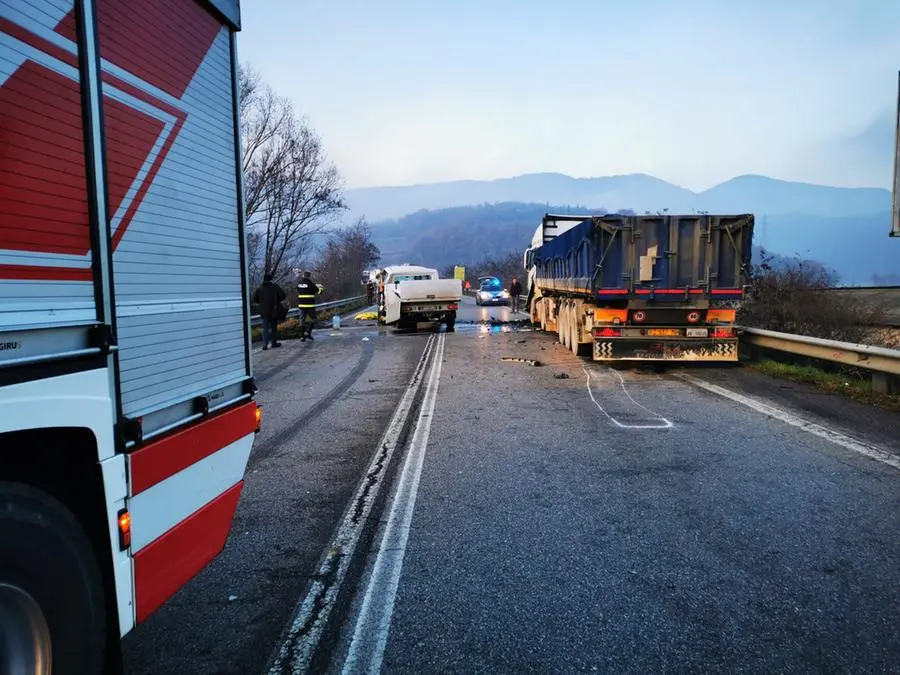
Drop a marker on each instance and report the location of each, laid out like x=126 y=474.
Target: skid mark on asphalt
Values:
x=619 y=405
x=263 y=450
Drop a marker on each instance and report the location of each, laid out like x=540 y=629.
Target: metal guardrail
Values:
x=882 y=362
x=256 y=319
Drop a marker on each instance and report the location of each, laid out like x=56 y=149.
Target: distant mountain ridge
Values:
x=761 y=195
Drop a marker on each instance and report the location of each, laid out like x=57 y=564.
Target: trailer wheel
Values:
x=51 y=594
x=561 y=323
x=574 y=332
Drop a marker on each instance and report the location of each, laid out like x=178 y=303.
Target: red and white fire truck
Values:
x=127 y=410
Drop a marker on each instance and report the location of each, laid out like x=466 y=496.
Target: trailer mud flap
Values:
x=665 y=350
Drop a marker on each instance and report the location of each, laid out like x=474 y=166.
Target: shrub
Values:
x=787 y=296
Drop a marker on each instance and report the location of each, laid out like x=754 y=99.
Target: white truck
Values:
x=126 y=393
x=410 y=294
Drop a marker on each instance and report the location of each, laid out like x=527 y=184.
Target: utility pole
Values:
x=895 y=210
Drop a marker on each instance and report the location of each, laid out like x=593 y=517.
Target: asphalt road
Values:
x=639 y=522
x=630 y=522
x=469 y=312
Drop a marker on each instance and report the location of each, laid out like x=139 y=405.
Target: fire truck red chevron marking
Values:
x=26 y=36
x=172 y=39
x=37 y=211
x=172 y=47
x=130 y=137
x=33 y=273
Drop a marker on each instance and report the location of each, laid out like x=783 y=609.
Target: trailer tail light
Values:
x=258 y=419
x=721 y=316
x=693 y=317
x=722 y=332
x=639 y=317
x=607 y=332
x=615 y=316
x=124 y=521
x=452 y=306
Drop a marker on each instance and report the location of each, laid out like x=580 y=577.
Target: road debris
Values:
x=561 y=376
x=516 y=359
x=366 y=316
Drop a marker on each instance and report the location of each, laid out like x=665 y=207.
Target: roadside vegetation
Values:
x=785 y=297
x=289 y=329
x=503 y=267
x=849 y=382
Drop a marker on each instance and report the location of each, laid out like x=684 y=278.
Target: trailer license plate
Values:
x=697 y=332
x=663 y=332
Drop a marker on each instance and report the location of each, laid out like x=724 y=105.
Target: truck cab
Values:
x=411 y=294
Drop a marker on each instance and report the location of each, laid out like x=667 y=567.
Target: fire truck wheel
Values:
x=51 y=592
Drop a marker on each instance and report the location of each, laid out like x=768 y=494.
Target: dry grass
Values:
x=849 y=384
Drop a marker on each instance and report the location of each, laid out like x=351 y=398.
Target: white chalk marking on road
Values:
x=299 y=645
x=666 y=424
x=836 y=437
x=373 y=624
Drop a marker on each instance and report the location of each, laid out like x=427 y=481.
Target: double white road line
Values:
x=311 y=617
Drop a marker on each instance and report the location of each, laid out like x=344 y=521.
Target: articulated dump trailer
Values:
x=641 y=288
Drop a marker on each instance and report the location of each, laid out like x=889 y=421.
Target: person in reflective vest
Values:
x=307 y=291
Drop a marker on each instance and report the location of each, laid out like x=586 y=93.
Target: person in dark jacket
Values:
x=515 y=290
x=268 y=297
x=307 y=290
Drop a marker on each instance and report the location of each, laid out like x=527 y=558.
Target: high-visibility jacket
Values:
x=306 y=294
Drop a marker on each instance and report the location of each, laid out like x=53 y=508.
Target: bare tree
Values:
x=347 y=253
x=291 y=189
x=264 y=118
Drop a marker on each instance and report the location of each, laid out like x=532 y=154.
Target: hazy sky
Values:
x=692 y=91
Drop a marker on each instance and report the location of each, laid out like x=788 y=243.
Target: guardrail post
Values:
x=883 y=383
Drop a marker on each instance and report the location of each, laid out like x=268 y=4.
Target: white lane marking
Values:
x=666 y=424
x=373 y=624
x=311 y=616
x=836 y=437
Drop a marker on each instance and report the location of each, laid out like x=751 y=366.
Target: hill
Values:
x=757 y=194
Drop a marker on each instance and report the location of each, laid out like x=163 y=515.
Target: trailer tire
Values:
x=50 y=585
x=561 y=323
x=574 y=332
